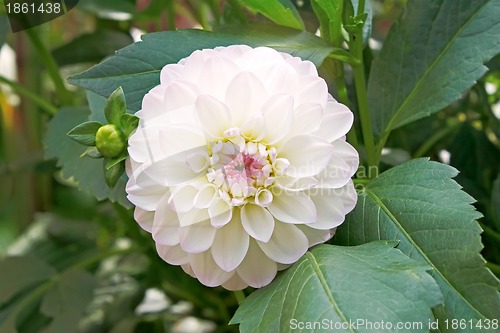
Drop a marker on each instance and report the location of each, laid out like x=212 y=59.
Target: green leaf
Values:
x=495 y=202
x=91 y=48
x=86 y=172
x=281 y=12
x=91 y=152
x=430 y=58
x=96 y=105
x=137 y=67
x=67 y=300
x=114 y=161
x=84 y=133
x=129 y=123
x=418 y=204
x=113 y=173
x=338 y=285
x=367 y=27
x=329 y=14
x=19 y=273
x=115 y=107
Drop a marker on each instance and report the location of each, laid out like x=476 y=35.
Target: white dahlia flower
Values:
x=240 y=164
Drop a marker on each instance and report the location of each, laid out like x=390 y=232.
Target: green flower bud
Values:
x=110 y=140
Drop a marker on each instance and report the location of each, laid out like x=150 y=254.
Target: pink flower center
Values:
x=244 y=171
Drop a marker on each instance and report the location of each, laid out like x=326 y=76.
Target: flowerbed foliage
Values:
x=422 y=244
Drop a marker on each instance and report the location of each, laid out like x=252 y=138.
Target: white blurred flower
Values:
x=240 y=164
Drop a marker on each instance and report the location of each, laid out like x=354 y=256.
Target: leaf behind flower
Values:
x=137 y=67
x=430 y=58
x=418 y=204
x=341 y=285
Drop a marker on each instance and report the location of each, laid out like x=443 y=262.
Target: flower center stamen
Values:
x=244 y=170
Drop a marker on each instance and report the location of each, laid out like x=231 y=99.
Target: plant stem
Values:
x=42 y=103
x=240 y=296
x=361 y=7
x=338 y=76
x=51 y=66
x=356 y=45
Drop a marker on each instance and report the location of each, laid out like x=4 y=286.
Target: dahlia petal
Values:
x=341 y=167
x=313 y=90
x=197 y=238
x=254 y=128
x=244 y=96
x=188 y=270
x=257 y=221
x=349 y=196
x=293 y=207
x=315 y=236
x=212 y=72
x=152 y=103
x=144 y=218
x=193 y=216
x=195 y=63
x=278 y=78
x=213 y=115
x=296 y=184
x=260 y=56
x=332 y=205
x=287 y=244
x=145 y=137
x=220 y=212
x=179 y=94
x=257 y=270
x=171 y=72
x=230 y=246
x=306 y=118
x=278 y=116
x=205 y=195
x=172 y=254
x=206 y=270
x=233 y=51
x=165 y=229
x=307 y=154
x=198 y=161
x=193 y=140
x=146 y=197
x=336 y=122
x=305 y=68
x=171 y=171
x=235 y=283
x=182 y=198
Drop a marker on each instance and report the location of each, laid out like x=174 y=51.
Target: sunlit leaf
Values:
x=137 y=67
x=115 y=107
x=430 y=58
x=340 y=285
x=329 y=14
x=418 y=204
x=282 y=12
